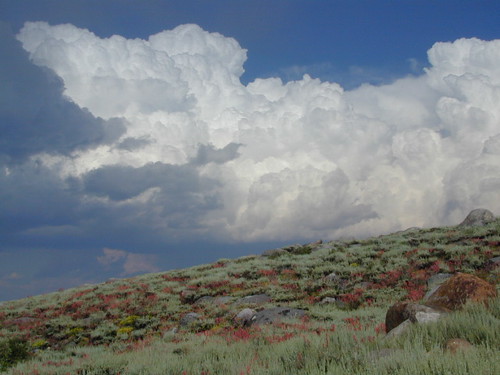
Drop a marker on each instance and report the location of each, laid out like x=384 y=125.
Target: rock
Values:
x=272 y=315
x=459 y=289
x=415 y=313
x=328 y=300
x=435 y=281
x=478 y=217
x=189 y=318
x=422 y=314
x=244 y=317
x=395 y=316
x=399 y=330
x=204 y=300
x=257 y=299
x=438 y=279
x=334 y=301
x=332 y=277
x=494 y=262
x=221 y=300
x=457 y=345
x=187 y=296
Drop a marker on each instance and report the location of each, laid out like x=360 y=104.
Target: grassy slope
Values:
x=125 y=326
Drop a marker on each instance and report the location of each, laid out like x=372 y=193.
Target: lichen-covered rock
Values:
x=434 y=282
x=478 y=217
x=459 y=289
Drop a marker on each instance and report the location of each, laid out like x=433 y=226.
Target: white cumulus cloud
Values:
x=205 y=155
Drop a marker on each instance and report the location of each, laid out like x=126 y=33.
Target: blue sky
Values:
x=132 y=143
x=347 y=41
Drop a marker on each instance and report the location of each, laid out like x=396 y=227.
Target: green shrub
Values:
x=12 y=351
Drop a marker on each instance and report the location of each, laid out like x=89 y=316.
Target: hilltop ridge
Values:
x=349 y=283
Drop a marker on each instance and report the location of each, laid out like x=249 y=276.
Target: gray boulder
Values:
x=328 y=300
x=204 y=300
x=401 y=314
x=335 y=302
x=276 y=314
x=210 y=300
x=399 y=330
x=478 y=218
x=189 y=318
x=256 y=299
x=423 y=314
x=244 y=317
x=332 y=278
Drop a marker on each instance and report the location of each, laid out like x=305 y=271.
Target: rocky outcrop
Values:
x=256 y=299
x=412 y=312
x=276 y=314
x=449 y=296
x=244 y=317
x=189 y=318
x=459 y=289
x=210 y=300
x=478 y=217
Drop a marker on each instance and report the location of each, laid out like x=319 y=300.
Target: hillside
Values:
x=205 y=319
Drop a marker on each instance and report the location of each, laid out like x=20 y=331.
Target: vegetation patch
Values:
x=133 y=326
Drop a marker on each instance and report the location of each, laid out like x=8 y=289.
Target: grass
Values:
x=127 y=326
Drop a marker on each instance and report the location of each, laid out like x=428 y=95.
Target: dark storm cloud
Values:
x=124 y=182
x=131 y=144
x=32 y=196
x=209 y=154
x=35 y=117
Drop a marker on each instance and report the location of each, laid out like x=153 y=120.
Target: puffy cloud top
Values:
x=204 y=155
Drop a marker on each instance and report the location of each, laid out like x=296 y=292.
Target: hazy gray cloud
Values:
x=131 y=144
x=124 y=182
x=209 y=154
x=35 y=116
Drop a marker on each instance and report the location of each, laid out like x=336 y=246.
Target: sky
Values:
x=144 y=136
